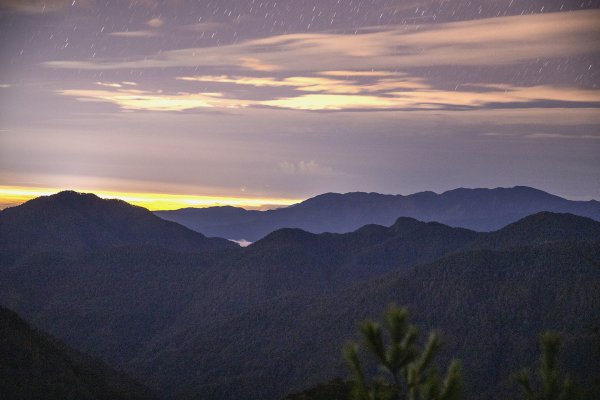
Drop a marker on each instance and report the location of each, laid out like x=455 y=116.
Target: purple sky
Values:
x=291 y=98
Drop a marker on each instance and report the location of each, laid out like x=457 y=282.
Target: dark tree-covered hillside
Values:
x=34 y=365
x=267 y=320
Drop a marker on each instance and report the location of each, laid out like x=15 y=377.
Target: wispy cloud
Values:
x=116 y=84
x=257 y=64
x=330 y=102
x=439 y=99
x=109 y=84
x=332 y=71
x=129 y=99
x=348 y=73
x=302 y=167
x=483 y=42
x=155 y=22
x=333 y=95
x=302 y=83
x=318 y=83
x=136 y=34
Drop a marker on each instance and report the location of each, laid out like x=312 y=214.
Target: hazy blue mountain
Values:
x=75 y=223
x=477 y=209
x=34 y=365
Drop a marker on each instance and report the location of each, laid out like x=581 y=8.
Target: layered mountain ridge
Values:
x=476 y=209
x=269 y=319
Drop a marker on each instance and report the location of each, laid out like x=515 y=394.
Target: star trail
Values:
x=264 y=103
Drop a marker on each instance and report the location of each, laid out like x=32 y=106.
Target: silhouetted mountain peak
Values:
x=333 y=199
x=407 y=222
x=407 y=226
x=500 y=192
x=547 y=226
x=73 y=223
x=286 y=237
x=478 y=209
x=87 y=203
x=69 y=196
x=546 y=218
x=372 y=229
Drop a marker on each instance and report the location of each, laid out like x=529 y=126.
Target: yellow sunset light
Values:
x=12 y=196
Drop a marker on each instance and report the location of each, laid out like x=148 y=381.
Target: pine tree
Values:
x=551 y=386
x=409 y=370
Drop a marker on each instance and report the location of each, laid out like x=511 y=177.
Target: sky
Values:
x=259 y=104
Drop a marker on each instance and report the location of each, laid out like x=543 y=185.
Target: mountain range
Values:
x=220 y=321
x=476 y=209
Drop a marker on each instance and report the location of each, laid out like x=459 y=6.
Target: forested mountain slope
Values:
x=262 y=321
x=490 y=306
x=34 y=365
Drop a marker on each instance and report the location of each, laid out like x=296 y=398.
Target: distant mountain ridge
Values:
x=476 y=209
x=74 y=223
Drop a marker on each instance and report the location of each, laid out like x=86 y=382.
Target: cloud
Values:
x=482 y=42
x=337 y=72
x=109 y=84
x=439 y=99
x=138 y=100
x=241 y=242
x=257 y=65
x=239 y=80
x=302 y=167
x=329 y=102
x=302 y=83
x=317 y=83
x=115 y=84
x=347 y=73
x=136 y=34
x=155 y=22
x=333 y=95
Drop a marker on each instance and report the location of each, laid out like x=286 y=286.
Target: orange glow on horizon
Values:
x=14 y=195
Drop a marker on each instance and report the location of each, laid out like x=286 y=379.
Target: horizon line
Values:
x=11 y=196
